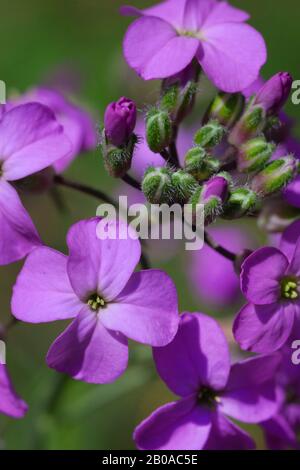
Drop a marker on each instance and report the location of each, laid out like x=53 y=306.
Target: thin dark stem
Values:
x=62 y=181
x=144 y=261
x=174 y=158
x=132 y=182
x=218 y=248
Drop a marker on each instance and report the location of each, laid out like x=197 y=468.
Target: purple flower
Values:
x=30 y=140
x=196 y=367
x=120 y=121
x=77 y=123
x=10 y=403
x=212 y=276
x=274 y=93
x=96 y=284
x=168 y=36
x=270 y=281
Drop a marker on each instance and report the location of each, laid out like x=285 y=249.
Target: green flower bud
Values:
x=157 y=186
x=199 y=164
x=184 y=185
x=210 y=135
x=254 y=154
x=212 y=194
x=251 y=124
x=275 y=176
x=170 y=97
x=240 y=202
x=117 y=160
x=159 y=131
x=226 y=108
x=186 y=100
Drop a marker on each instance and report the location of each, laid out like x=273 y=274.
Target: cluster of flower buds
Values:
x=119 y=139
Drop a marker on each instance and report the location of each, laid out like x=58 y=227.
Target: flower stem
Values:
x=132 y=182
x=218 y=248
x=62 y=181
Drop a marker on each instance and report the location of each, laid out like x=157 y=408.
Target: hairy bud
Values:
x=275 y=176
x=210 y=135
x=184 y=186
x=159 y=131
x=226 y=108
x=241 y=201
x=254 y=154
x=249 y=126
x=120 y=121
x=117 y=160
x=199 y=164
x=213 y=195
x=157 y=186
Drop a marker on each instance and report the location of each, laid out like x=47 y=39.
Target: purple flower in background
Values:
x=196 y=367
x=270 y=280
x=78 y=125
x=212 y=276
x=274 y=93
x=168 y=36
x=30 y=140
x=10 y=403
x=96 y=284
x=120 y=121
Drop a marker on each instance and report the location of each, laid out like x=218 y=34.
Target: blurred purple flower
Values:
x=30 y=140
x=274 y=93
x=270 y=280
x=168 y=36
x=96 y=284
x=212 y=276
x=120 y=121
x=10 y=403
x=196 y=367
x=78 y=125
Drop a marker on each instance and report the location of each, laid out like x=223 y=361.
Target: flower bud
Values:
x=120 y=121
x=240 y=202
x=199 y=164
x=210 y=135
x=169 y=100
x=159 y=130
x=275 y=176
x=157 y=186
x=249 y=126
x=254 y=154
x=275 y=92
x=184 y=186
x=117 y=160
x=226 y=108
x=212 y=194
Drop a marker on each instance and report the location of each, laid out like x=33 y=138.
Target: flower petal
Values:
x=181 y=425
x=225 y=435
x=30 y=140
x=10 y=403
x=102 y=266
x=279 y=434
x=224 y=13
x=146 y=310
x=87 y=351
x=43 y=292
x=154 y=50
x=18 y=233
x=289 y=239
x=292 y=192
x=250 y=396
x=261 y=275
x=171 y=11
x=263 y=329
x=232 y=55
x=197 y=356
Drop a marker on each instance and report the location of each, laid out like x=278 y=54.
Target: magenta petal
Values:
x=154 y=50
x=261 y=275
x=181 y=425
x=279 y=434
x=171 y=11
x=197 y=356
x=225 y=13
x=18 y=233
x=30 y=140
x=294 y=267
x=43 y=292
x=225 y=435
x=292 y=192
x=10 y=403
x=87 y=351
x=289 y=239
x=263 y=329
x=196 y=13
x=146 y=310
x=250 y=395
x=232 y=55
x=102 y=266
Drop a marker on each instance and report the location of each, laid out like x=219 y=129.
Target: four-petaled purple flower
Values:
x=196 y=367
x=30 y=140
x=270 y=280
x=10 y=403
x=96 y=284
x=168 y=36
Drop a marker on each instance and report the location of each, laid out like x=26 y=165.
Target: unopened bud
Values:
x=210 y=135
x=117 y=160
x=240 y=202
x=249 y=126
x=275 y=176
x=157 y=186
x=254 y=154
x=159 y=130
x=184 y=186
x=275 y=92
x=199 y=164
x=120 y=121
x=212 y=195
x=170 y=97
x=226 y=108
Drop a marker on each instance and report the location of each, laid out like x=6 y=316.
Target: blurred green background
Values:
x=36 y=39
